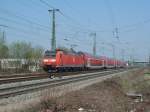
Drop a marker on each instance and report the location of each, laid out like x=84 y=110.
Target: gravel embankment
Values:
x=22 y=101
x=106 y=96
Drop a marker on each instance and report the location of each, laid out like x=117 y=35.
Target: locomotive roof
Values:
x=70 y=51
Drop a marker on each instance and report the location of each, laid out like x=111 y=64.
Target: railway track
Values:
x=18 y=75
x=6 y=92
x=19 y=78
x=4 y=79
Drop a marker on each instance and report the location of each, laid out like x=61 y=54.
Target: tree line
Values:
x=20 y=50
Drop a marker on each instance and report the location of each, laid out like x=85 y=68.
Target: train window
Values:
x=50 y=54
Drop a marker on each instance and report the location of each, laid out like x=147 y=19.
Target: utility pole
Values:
x=2 y=36
x=132 y=57
x=113 y=50
x=94 y=46
x=53 y=39
x=94 y=43
x=148 y=59
x=123 y=54
x=117 y=33
x=103 y=48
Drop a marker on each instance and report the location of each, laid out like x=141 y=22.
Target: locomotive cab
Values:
x=49 y=60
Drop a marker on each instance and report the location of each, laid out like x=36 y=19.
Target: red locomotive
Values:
x=62 y=60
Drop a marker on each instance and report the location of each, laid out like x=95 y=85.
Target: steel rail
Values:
x=14 y=91
x=27 y=77
x=21 y=78
x=39 y=83
x=19 y=75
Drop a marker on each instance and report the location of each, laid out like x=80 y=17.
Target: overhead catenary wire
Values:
x=64 y=15
x=34 y=29
x=76 y=23
x=50 y=6
x=134 y=25
x=23 y=24
x=32 y=4
x=68 y=18
x=23 y=31
x=112 y=16
x=78 y=12
x=47 y=27
x=47 y=4
x=79 y=26
x=2 y=25
x=24 y=36
x=22 y=18
x=115 y=28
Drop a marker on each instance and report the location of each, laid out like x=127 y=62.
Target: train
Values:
x=64 y=60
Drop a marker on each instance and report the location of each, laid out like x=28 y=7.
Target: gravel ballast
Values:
x=35 y=98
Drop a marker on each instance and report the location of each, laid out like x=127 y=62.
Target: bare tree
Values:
x=24 y=50
x=4 y=51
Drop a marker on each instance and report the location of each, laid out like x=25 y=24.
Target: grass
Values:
x=147 y=74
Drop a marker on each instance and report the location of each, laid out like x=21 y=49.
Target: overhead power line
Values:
x=47 y=4
x=76 y=23
x=3 y=25
x=22 y=18
x=69 y=18
x=136 y=24
x=66 y=16
x=21 y=30
x=111 y=14
x=24 y=25
x=72 y=8
x=112 y=19
x=21 y=33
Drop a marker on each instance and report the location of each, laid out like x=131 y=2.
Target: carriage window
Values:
x=50 y=54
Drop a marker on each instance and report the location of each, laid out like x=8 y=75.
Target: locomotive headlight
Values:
x=45 y=60
x=53 y=60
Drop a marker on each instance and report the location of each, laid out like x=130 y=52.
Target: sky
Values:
x=30 y=21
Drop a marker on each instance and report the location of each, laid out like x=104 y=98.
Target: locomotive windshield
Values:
x=50 y=53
